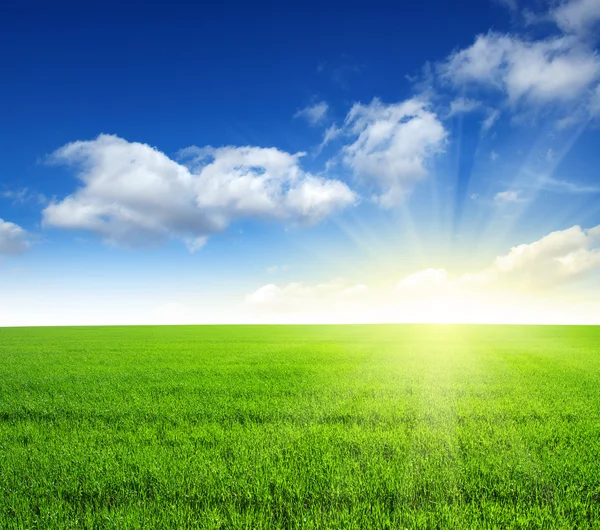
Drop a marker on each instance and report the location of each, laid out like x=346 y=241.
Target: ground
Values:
x=300 y=427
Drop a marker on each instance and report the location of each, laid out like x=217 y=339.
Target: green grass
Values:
x=300 y=427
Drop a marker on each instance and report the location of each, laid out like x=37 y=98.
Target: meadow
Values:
x=272 y=427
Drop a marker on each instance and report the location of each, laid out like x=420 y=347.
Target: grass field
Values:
x=300 y=427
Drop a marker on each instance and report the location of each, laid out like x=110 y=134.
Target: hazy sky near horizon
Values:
x=265 y=162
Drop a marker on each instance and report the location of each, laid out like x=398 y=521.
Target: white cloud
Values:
x=494 y=156
x=132 y=193
x=558 y=69
x=463 y=105
x=315 y=198
x=508 y=196
x=392 y=145
x=480 y=62
x=13 y=238
x=313 y=114
x=558 y=258
x=490 y=120
x=526 y=284
x=577 y=16
x=330 y=134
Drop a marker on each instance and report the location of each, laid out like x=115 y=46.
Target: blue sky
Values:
x=312 y=162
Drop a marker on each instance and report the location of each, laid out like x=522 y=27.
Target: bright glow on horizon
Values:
x=542 y=282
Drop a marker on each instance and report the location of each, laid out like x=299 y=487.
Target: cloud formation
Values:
x=556 y=69
x=13 y=238
x=133 y=194
x=559 y=257
x=577 y=16
x=554 y=260
x=390 y=145
x=314 y=114
x=516 y=287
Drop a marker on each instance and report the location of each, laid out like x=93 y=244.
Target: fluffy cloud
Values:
x=577 y=16
x=558 y=69
x=313 y=114
x=132 y=193
x=555 y=260
x=391 y=145
x=13 y=238
x=558 y=258
x=522 y=285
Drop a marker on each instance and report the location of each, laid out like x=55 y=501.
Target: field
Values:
x=300 y=427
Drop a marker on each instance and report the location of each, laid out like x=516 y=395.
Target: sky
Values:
x=299 y=162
